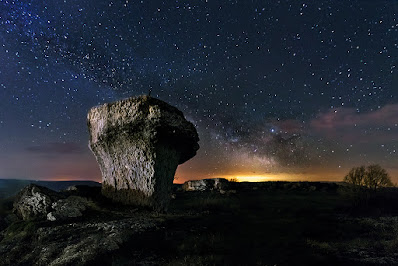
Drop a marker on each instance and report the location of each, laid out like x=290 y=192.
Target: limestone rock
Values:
x=33 y=202
x=70 y=207
x=218 y=184
x=138 y=143
x=71 y=188
x=39 y=203
x=82 y=242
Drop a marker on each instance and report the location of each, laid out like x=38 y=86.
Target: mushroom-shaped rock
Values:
x=138 y=143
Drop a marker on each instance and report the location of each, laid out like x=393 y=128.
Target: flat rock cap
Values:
x=144 y=118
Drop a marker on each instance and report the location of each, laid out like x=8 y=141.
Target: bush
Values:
x=373 y=177
x=377 y=177
x=356 y=176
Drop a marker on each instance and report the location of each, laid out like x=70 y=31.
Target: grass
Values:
x=366 y=239
x=289 y=228
x=268 y=226
x=249 y=228
x=209 y=201
x=19 y=229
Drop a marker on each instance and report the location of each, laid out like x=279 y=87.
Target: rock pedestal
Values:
x=138 y=144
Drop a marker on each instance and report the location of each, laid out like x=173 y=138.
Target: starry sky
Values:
x=278 y=90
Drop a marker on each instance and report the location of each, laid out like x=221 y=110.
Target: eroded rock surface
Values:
x=40 y=203
x=70 y=207
x=34 y=202
x=72 y=243
x=138 y=144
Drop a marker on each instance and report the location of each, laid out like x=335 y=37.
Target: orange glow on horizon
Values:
x=256 y=178
x=290 y=177
x=319 y=175
x=310 y=175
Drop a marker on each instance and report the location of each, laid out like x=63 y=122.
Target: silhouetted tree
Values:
x=356 y=176
x=377 y=177
x=373 y=177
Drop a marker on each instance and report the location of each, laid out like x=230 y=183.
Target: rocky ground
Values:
x=74 y=227
x=212 y=223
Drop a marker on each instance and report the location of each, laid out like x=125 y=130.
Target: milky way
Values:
x=293 y=89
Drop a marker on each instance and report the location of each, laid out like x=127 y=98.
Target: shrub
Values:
x=356 y=176
x=373 y=177
x=377 y=177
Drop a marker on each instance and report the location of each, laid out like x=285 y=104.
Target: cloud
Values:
x=346 y=117
x=56 y=148
x=348 y=125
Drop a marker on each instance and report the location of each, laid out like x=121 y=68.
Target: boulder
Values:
x=34 y=202
x=217 y=184
x=138 y=143
x=71 y=188
x=70 y=207
x=39 y=203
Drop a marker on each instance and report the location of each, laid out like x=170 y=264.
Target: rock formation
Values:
x=138 y=143
x=217 y=184
x=34 y=202
x=39 y=203
x=70 y=207
x=96 y=238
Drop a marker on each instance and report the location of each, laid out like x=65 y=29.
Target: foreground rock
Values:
x=70 y=207
x=75 y=243
x=40 y=203
x=138 y=144
x=34 y=202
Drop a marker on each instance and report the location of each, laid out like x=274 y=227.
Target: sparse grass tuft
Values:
x=19 y=230
x=212 y=201
x=324 y=247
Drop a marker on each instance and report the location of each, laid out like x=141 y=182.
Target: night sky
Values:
x=286 y=90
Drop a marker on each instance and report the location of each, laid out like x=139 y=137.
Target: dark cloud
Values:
x=348 y=125
x=56 y=148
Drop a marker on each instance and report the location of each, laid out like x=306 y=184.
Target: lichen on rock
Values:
x=39 y=203
x=138 y=143
x=34 y=202
x=70 y=207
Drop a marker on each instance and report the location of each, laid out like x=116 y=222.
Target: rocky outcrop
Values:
x=217 y=184
x=86 y=242
x=34 y=202
x=40 y=203
x=138 y=144
x=70 y=207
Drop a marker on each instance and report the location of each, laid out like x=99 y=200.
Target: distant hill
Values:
x=10 y=187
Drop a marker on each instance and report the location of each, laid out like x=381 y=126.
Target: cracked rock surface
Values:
x=39 y=203
x=34 y=202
